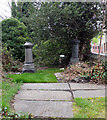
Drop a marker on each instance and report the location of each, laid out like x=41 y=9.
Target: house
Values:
x=95 y=46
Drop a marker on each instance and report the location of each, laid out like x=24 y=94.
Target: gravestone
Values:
x=75 y=48
x=29 y=63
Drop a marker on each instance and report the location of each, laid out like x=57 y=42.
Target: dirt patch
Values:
x=42 y=68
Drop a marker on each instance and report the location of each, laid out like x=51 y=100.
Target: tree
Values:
x=56 y=24
x=14 y=35
x=61 y=22
x=24 y=11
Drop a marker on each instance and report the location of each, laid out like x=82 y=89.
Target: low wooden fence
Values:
x=95 y=56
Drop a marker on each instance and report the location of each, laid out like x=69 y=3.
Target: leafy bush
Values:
x=47 y=53
x=98 y=74
x=12 y=115
x=14 y=35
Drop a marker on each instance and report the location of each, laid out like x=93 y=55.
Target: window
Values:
x=98 y=47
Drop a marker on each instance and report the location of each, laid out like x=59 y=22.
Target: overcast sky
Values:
x=5 y=11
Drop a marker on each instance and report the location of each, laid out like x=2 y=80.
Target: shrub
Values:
x=9 y=64
x=47 y=53
x=98 y=74
x=14 y=35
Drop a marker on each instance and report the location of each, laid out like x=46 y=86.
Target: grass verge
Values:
x=90 y=107
x=0 y=93
x=9 y=89
x=41 y=76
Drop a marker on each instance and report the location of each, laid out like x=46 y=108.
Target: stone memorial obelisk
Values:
x=75 y=49
x=29 y=63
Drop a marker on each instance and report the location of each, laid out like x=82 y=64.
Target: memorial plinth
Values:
x=29 y=63
x=75 y=48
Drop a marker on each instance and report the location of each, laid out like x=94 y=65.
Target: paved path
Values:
x=53 y=99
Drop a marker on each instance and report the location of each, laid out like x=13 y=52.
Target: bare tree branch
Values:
x=9 y=4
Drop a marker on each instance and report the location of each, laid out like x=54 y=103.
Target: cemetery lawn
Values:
x=90 y=107
x=9 y=89
x=41 y=76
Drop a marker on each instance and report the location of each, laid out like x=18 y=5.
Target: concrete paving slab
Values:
x=45 y=108
x=46 y=86
x=88 y=93
x=58 y=76
x=43 y=95
x=77 y=86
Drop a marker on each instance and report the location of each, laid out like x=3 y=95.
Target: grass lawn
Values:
x=90 y=107
x=41 y=76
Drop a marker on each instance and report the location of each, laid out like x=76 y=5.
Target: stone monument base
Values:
x=74 y=60
x=29 y=67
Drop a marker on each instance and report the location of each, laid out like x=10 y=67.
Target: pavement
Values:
x=53 y=99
